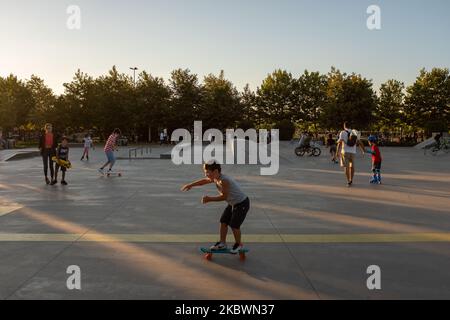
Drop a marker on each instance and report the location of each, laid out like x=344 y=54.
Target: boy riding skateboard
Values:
x=236 y=211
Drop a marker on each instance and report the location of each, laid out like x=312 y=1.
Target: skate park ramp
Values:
x=11 y=155
x=429 y=142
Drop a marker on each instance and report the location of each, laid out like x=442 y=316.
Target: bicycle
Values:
x=310 y=150
x=434 y=149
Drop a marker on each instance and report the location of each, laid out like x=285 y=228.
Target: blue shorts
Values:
x=110 y=156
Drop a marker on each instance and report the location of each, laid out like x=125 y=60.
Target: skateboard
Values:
x=111 y=174
x=62 y=163
x=208 y=253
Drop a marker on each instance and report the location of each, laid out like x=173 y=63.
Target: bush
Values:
x=287 y=130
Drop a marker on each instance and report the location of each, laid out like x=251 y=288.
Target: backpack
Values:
x=351 y=138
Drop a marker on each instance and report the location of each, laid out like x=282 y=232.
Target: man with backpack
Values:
x=346 y=151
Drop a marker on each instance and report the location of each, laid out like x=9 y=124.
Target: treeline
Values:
x=312 y=101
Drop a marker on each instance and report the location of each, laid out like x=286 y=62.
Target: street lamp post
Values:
x=134 y=81
x=134 y=74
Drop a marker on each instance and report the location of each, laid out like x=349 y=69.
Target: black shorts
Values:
x=376 y=166
x=235 y=215
x=63 y=169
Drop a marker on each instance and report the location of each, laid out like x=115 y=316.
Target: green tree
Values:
x=388 y=113
x=220 y=106
x=248 y=111
x=77 y=108
x=115 y=104
x=43 y=101
x=312 y=97
x=15 y=102
x=427 y=104
x=186 y=99
x=276 y=98
x=349 y=98
x=153 y=100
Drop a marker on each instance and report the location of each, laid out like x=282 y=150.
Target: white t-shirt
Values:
x=344 y=137
x=87 y=142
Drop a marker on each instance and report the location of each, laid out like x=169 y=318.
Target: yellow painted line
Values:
x=367 y=238
x=249 y=238
x=173 y=238
x=30 y=237
x=4 y=210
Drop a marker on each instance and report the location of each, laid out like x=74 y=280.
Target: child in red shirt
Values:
x=376 y=160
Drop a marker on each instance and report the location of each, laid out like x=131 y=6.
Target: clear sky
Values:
x=246 y=38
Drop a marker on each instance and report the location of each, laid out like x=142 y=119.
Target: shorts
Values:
x=235 y=215
x=333 y=149
x=110 y=156
x=376 y=166
x=63 y=169
x=347 y=160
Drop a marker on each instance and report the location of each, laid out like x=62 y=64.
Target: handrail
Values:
x=141 y=148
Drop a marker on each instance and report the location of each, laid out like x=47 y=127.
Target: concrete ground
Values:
x=310 y=237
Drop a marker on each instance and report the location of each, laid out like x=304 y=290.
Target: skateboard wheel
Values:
x=242 y=256
x=119 y=174
x=208 y=256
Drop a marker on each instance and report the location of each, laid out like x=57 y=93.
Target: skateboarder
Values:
x=110 y=146
x=62 y=153
x=238 y=204
x=47 y=147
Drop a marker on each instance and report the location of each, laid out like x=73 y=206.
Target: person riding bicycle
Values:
x=305 y=140
x=437 y=138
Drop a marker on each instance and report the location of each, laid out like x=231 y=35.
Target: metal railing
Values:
x=137 y=149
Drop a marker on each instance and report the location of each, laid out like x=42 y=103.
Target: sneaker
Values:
x=236 y=248
x=101 y=171
x=53 y=182
x=64 y=183
x=47 y=181
x=349 y=184
x=218 y=246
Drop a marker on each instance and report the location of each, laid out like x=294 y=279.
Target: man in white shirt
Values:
x=346 y=151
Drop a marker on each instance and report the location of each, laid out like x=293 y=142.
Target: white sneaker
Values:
x=218 y=246
x=236 y=248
